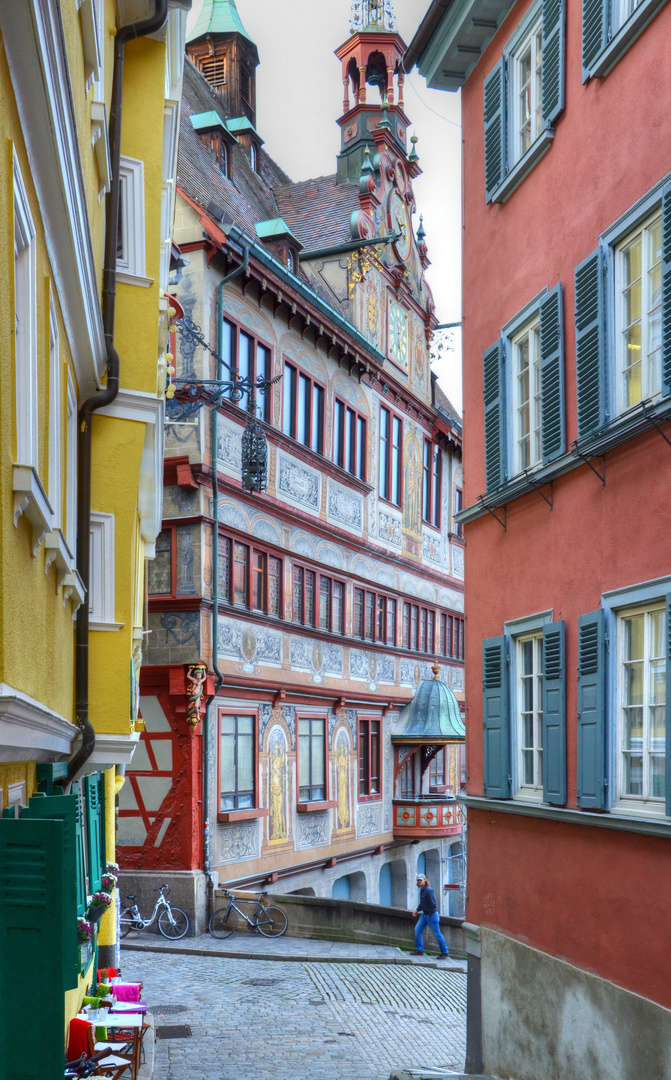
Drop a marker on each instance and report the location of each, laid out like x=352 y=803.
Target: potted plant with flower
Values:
x=108 y=882
x=98 y=905
x=112 y=868
x=84 y=930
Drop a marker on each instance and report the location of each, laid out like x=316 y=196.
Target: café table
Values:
x=132 y=1022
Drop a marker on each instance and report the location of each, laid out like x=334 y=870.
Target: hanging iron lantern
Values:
x=254 y=457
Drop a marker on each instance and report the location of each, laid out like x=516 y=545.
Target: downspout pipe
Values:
x=100 y=400
x=219 y=678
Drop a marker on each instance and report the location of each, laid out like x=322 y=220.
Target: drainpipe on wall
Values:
x=219 y=678
x=99 y=401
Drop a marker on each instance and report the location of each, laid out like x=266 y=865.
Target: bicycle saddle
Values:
x=130 y=896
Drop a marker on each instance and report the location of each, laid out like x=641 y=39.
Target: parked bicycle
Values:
x=270 y=921
x=172 y=921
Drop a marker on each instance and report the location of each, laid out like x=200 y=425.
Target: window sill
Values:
x=391 y=505
x=524 y=166
x=106 y=625
x=620 y=42
x=134 y=279
x=58 y=552
x=225 y=816
x=315 y=807
x=30 y=499
x=596 y=819
x=370 y=798
x=73 y=589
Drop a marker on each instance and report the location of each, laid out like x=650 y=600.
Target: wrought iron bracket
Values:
x=588 y=461
x=537 y=487
x=504 y=523
x=656 y=424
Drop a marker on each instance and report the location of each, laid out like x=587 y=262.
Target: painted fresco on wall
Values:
x=277 y=785
x=412 y=488
x=343 y=821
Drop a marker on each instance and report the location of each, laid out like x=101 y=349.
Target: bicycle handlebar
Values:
x=163 y=888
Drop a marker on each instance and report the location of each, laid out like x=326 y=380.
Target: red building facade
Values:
x=567 y=384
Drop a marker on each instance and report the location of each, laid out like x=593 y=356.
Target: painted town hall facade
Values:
x=288 y=627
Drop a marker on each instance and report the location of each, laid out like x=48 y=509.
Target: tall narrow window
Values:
x=527 y=65
x=251 y=360
x=224 y=569
x=406 y=626
x=259 y=581
x=431 y=483
x=274 y=586
x=437 y=771
x=391 y=622
x=303 y=409
x=55 y=418
x=527 y=390
x=25 y=326
x=240 y=574
x=369 y=758
x=311 y=759
x=458 y=507
x=349 y=439
x=236 y=762
x=530 y=715
x=391 y=434
x=642 y=701
x=339 y=607
x=639 y=314
x=325 y=603
x=71 y=473
x=358 y=621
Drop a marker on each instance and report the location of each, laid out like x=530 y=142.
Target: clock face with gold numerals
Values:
x=398 y=334
x=399 y=222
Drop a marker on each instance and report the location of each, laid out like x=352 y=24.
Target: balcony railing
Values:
x=426 y=816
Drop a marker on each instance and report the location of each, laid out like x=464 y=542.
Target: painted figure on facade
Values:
x=413 y=488
x=195 y=685
x=342 y=775
x=277 y=766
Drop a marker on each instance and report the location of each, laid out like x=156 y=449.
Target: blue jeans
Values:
x=433 y=922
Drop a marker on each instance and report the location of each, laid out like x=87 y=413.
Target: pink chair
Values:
x=126 y=992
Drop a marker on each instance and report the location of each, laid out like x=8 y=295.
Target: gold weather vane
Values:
x=372 y=15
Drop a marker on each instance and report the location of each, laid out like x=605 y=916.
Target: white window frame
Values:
x=648 y=390
x=71 y=469
x=530 y=330
x=533 y=791
x=645 y=804
x=101 y=577
x=132 y=263
x=25 y=326
x=534 y=33
x=17 y=794
x=620 y=13
x=55 y=417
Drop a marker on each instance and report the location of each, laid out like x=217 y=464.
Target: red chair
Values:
x=81 y=1040
x=105 y=974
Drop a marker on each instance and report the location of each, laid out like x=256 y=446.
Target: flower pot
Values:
x=95 y=913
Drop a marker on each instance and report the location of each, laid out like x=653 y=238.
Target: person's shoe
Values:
x=417 y=952
x=443 y=956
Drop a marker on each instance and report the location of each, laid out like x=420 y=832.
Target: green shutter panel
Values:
x=591 y=712
x=81 y=866
x=495 y=128
x=666 y=289
x=34 y=916
x=590 y=333
x=93 y=831
x=552 y=71
x=64 y=808
x=668 y=705
x=553 y=428
x=594 y=32
x=554 y=714
x=496 y=722
x=495 y=425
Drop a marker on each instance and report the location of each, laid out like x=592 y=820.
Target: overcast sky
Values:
x=299 y=98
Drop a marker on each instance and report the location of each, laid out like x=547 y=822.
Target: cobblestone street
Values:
x=275 y=1020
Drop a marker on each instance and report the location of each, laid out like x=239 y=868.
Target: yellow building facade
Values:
x=89 y=113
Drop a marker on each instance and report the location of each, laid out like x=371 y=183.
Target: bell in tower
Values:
x=223 y=51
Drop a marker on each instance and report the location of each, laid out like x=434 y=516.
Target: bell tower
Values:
x=373 y=78
x=223 y=51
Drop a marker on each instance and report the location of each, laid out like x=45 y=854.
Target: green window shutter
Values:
x=495 y=128
x=554 y=714
x=666 y=289
x=64 y=808
x=591 y=712
x=553 y=431
x=594 y=32
x=552 y=71
x=590 y=333
x=81 y=866
x=35 y=913
x=668 y=705
x=93 y=831
x=496 y=722
x=495 y=419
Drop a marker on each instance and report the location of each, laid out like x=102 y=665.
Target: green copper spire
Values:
x=218 y=17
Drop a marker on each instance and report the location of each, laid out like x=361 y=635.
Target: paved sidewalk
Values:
x=253 y=946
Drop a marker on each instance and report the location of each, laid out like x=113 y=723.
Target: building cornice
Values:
x=624 y=823
x=31 y=730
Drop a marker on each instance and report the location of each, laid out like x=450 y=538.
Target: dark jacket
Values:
x=427 y=901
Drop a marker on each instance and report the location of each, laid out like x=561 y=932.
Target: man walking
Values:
x=427 y=909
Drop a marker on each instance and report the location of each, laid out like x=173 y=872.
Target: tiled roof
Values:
x=318 y=211
x=443 y=403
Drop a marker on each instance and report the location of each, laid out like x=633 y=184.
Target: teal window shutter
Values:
x=553 y=427
x=35 y=917
x=591 y=712
x=93 y=834
x=552 y=72
x=81 y=866
x=64 y=808
x=554 y=714
x=590 y=333
x=668 y=705
x=495 y=128
x=495 y=420
x=666 y=289
x=496 y=720
x=594 y=32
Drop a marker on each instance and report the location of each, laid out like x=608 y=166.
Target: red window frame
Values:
x=435 y=782
x=290 y=410
x=432 y=477
x=458 y=507
x=419 y=628
x=253 y=811
x=171 y=534
x=318 y=802
x=345 y=440
x=451 y=642
x=299 y=613
x=227 y=581
x=377 y=614
x=370 y=731
x=232 y=354
x=391 y=467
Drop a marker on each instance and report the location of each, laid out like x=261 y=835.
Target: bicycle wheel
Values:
x=127 y=923
x=176 y=928
x=223 y=923
x=272 y=922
